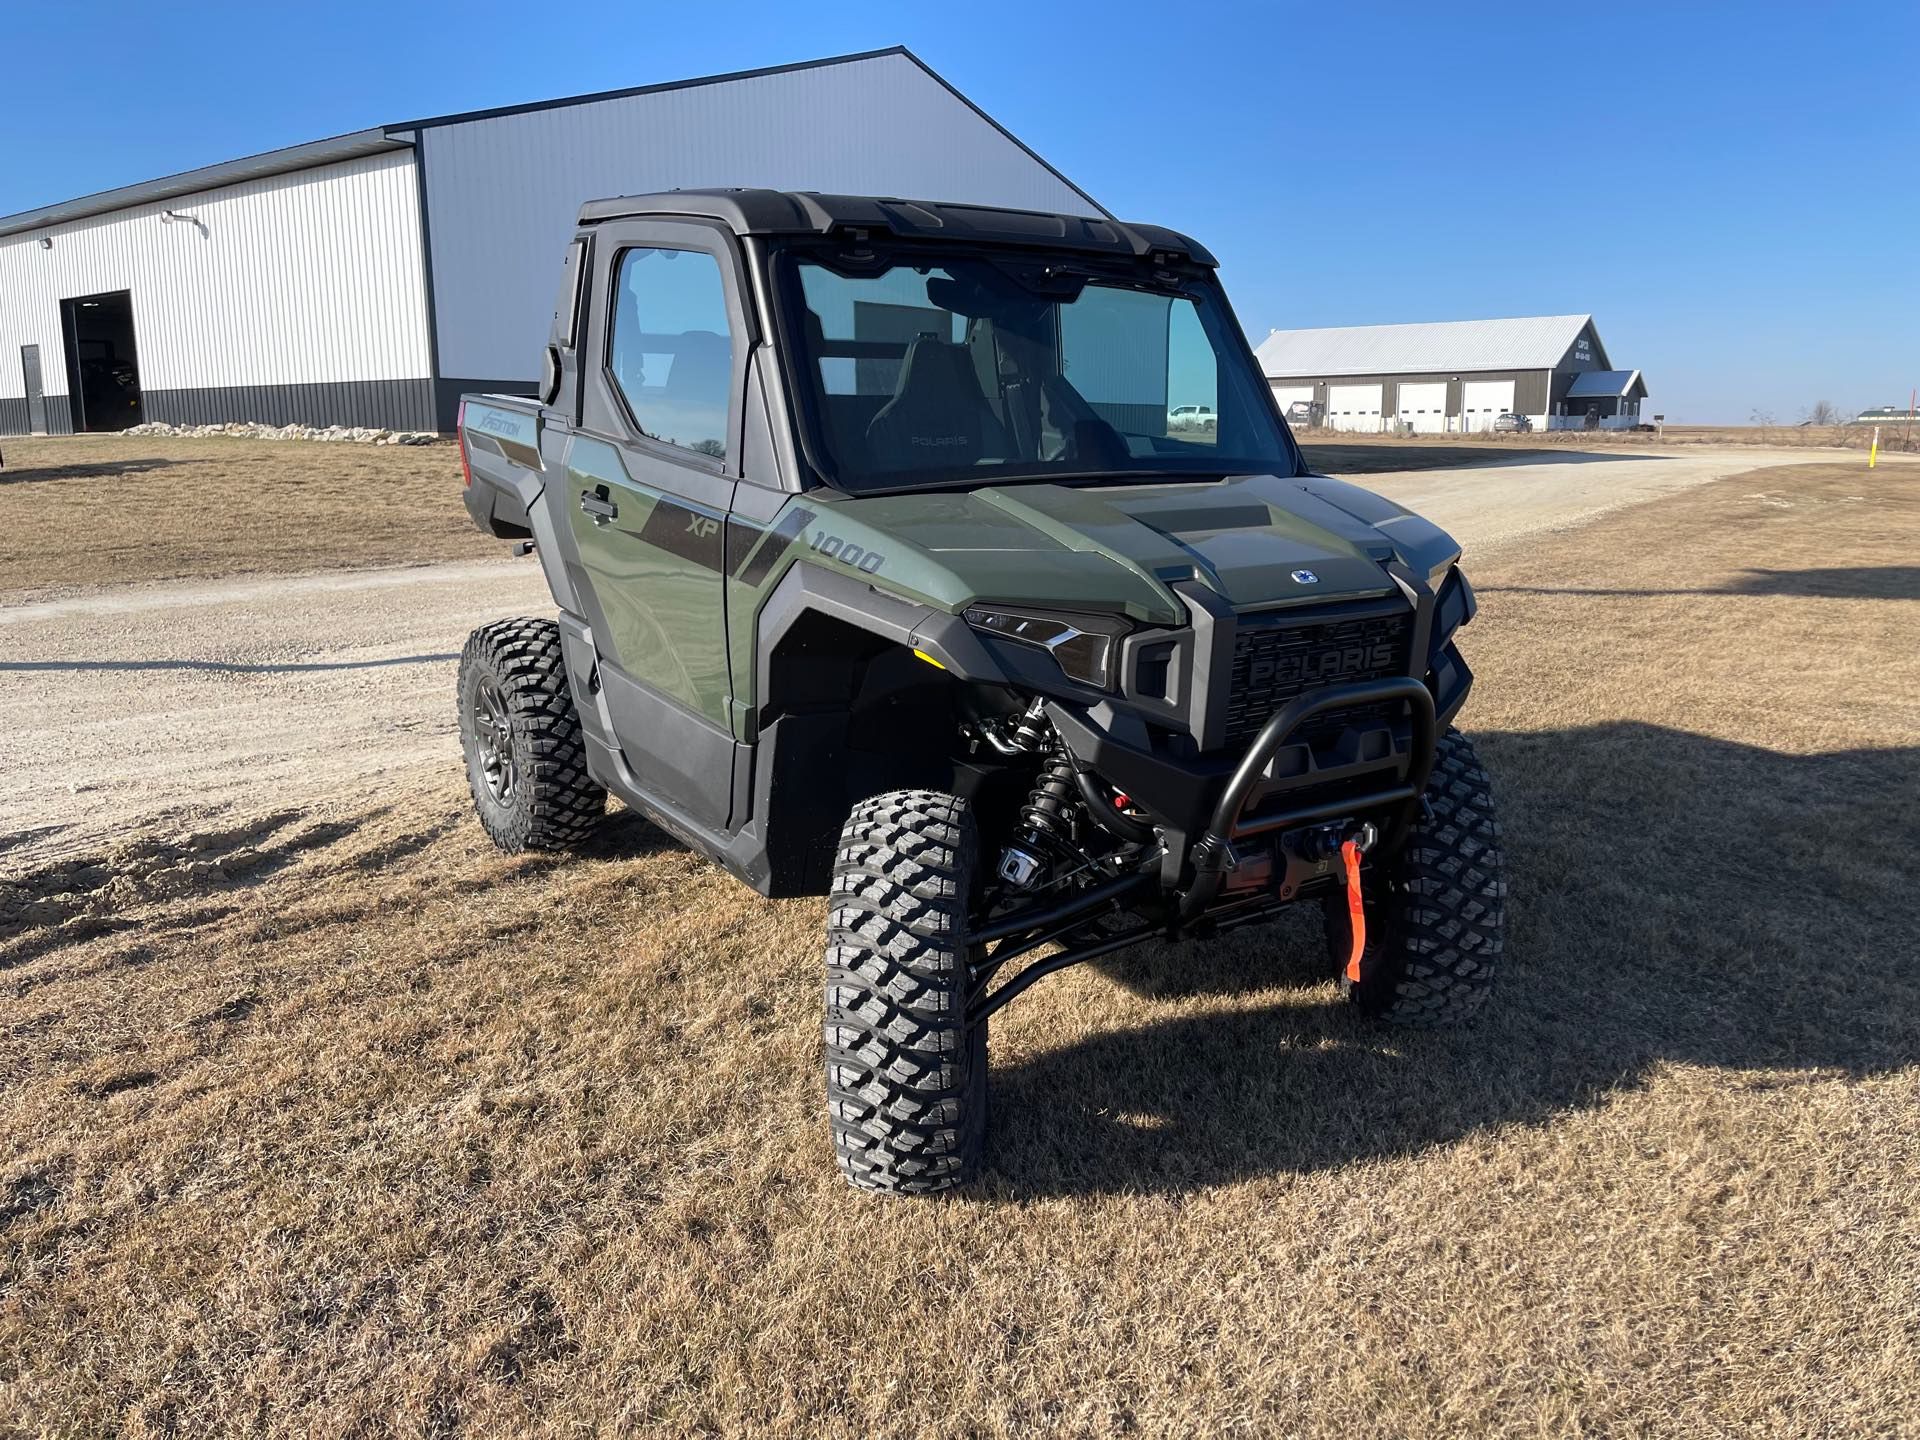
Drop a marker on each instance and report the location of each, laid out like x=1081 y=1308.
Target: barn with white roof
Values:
x=1452 y=377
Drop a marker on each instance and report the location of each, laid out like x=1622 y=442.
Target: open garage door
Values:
x=1353 y=407
x=1287 y=396
x=1482 y=400
x=1424 y=407
x=103 y=365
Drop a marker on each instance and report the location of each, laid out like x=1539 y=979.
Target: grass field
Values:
x=1330 y=449
x=336 y=1122
x=78 y=510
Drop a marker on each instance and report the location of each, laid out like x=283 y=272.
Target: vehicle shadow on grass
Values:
x=84 y=470
x=1674 y=898
x=1837 y=582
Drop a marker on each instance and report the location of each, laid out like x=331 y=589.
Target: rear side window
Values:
x=671 y=356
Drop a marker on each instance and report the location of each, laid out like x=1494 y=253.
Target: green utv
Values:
x=889 y=570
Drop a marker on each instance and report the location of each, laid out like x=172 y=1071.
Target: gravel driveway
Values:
x=136 y=702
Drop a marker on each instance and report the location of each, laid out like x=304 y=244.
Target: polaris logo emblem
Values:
x=1334 y=664
x=1305 y=577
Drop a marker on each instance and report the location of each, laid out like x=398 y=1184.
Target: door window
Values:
x=671 y=357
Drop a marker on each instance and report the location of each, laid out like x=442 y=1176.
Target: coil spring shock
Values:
x=1045 y=815
x=1046 y=825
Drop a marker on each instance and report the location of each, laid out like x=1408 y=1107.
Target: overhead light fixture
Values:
x=46 y=242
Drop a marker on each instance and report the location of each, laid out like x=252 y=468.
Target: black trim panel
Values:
x=685 y=757
x=376 y=404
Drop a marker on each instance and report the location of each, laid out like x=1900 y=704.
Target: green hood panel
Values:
x=1117 y=548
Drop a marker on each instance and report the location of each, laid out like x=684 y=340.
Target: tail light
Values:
x=460 y=436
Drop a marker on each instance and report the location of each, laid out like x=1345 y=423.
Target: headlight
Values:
x=1082 y=645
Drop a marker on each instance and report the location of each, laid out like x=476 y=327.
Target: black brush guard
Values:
x=1035 y=926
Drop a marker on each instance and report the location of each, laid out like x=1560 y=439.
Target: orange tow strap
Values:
x=1350 y=852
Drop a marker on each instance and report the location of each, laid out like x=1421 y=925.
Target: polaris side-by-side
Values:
x=885 y=573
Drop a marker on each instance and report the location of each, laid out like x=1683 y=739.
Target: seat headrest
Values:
x=938 y=414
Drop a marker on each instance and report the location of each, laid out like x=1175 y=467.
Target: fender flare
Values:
x=813 y=589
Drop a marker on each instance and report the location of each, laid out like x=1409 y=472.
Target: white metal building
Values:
x=1455 y=376
x=371 y=278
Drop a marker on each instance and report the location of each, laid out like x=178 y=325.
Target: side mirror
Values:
x=550 y=376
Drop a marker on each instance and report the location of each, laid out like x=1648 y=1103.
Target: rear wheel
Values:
x=526 y=761
x=906 y=1073
x=1436 y=912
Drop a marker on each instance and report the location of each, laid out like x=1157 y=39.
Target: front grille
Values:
x=1280 y=658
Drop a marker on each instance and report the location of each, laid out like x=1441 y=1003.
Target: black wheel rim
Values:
x=493 y=740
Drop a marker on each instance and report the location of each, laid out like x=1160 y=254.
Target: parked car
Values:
x=1013 y=680
x=1191 y=417
x=1509 y=423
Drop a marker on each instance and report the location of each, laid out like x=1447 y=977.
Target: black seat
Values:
x=938 y=416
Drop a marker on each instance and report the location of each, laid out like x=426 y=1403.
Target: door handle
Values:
x=597 y=507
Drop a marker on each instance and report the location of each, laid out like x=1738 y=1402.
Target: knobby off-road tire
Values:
x=1437 y=911
x=906 y=1074
x=526 y=762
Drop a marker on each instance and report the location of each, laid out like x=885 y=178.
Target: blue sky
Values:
x=1729 y=189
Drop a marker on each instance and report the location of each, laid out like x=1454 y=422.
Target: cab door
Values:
x=651 y=473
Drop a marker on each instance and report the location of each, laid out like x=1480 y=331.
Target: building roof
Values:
x=1534 y=342
x=1607 y=384
x=402 y=135
x=207 y=177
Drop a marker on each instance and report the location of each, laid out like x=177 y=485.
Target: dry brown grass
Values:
x=1343 y=453
x=340 y=1123
x=77 y=512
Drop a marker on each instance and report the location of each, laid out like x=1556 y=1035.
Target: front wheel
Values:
x=526 y=760
x=1436 y=912
x=906 y=1073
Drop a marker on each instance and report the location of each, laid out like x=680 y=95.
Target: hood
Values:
x=1256 y=540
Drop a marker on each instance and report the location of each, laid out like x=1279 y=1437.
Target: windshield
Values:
x=924 y=370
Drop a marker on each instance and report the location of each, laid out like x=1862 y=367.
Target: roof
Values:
x=402 y=134
x=1534 y=342
x=806 y=212
x=1606 y=384
x=207 y=177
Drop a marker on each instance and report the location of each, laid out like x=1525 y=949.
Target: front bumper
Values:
x=1253 y=803
x=1180 y=787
